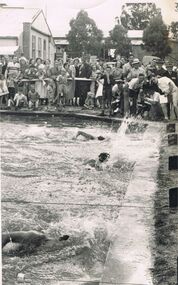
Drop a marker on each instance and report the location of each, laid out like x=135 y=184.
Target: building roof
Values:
x=8 y=50
x=135 y=34
x=12 y=19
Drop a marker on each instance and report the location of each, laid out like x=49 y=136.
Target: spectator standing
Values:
x=170 y=90
x=13 y=66
x=99 y=89
x=107 y=94
x=85 y=72
x=161 y=71
x=172 y=74
x=53 y=73
x=70 y=69
x=128 y=66
x=50 y=93
x=77 y=70
x=62 y=88
x=33 y=97
x=135 y=70
x=135 y=87
x=3 y=62
x=118 y=71
x=40 y=85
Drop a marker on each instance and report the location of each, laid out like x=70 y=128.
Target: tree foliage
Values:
x=155 y=38
x=137 y=16
x=118 y=40
x=174 y=30
x=176 y=6
x=84 y=36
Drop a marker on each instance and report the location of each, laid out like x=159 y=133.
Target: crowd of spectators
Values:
x=125 y=87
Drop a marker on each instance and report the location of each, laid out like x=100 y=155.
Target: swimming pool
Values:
x=47 y=185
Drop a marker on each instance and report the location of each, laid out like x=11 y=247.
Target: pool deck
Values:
x=70 y=112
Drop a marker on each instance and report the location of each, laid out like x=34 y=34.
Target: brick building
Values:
x=25 y=30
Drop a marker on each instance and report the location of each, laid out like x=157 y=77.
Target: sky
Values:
x=103 y=12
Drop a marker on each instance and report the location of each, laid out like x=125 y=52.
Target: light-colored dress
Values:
x=40 y=85
x=99 y=92
x=71 y=83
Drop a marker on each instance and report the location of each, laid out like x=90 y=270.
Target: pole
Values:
x=177 y=270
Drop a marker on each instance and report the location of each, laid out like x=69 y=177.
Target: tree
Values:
x=84 y=36
x=118 y=40
x=136 y=16
x=176 y=6
x=155 y=38
x=174 y=30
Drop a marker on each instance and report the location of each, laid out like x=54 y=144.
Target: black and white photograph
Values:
x=89 y=142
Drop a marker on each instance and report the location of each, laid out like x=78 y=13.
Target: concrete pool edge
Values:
x=129 y=259
x=62 y=114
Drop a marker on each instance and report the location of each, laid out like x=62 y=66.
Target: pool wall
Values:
x=130 y=259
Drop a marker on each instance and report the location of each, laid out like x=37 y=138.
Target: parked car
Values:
x=148 y=59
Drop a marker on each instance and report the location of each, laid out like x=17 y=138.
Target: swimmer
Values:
x=103 y=157
x=88 y=136
x=27 y=241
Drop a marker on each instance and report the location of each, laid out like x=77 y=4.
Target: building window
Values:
x=33 y=47
x=44 y=49
x=39 y=47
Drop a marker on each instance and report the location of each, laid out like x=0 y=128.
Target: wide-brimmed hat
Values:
x=135 y=61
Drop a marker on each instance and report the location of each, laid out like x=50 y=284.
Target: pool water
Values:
x=48 y=186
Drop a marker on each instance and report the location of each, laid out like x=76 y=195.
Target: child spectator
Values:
x=108 y=84
x=33 y=97
x=20 y=100
x=61 y=88
x=50 y=93
x=11 y=80
x=3 y=85
x=90 y=100
x=99 y=89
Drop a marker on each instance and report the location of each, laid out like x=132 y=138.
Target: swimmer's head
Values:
x=100 y=138
x=104 y=156
x=64 y=237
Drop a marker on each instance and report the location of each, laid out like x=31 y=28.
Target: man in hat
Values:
x=135 y=70
x=171 y=73
x=161 y=71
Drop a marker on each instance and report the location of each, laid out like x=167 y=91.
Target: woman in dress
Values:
x=70 y=70
x=40 y=85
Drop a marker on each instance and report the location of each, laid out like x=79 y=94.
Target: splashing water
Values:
x=52 y=170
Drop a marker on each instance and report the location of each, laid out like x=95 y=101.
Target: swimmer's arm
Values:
x=85 y=135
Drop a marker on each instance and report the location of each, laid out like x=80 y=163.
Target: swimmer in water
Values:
x=27 y=241
x=103 y=157
x=88 y=136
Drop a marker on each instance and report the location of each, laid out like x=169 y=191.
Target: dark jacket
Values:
x=85 y=71
x=111 y=79
x=173 y=76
